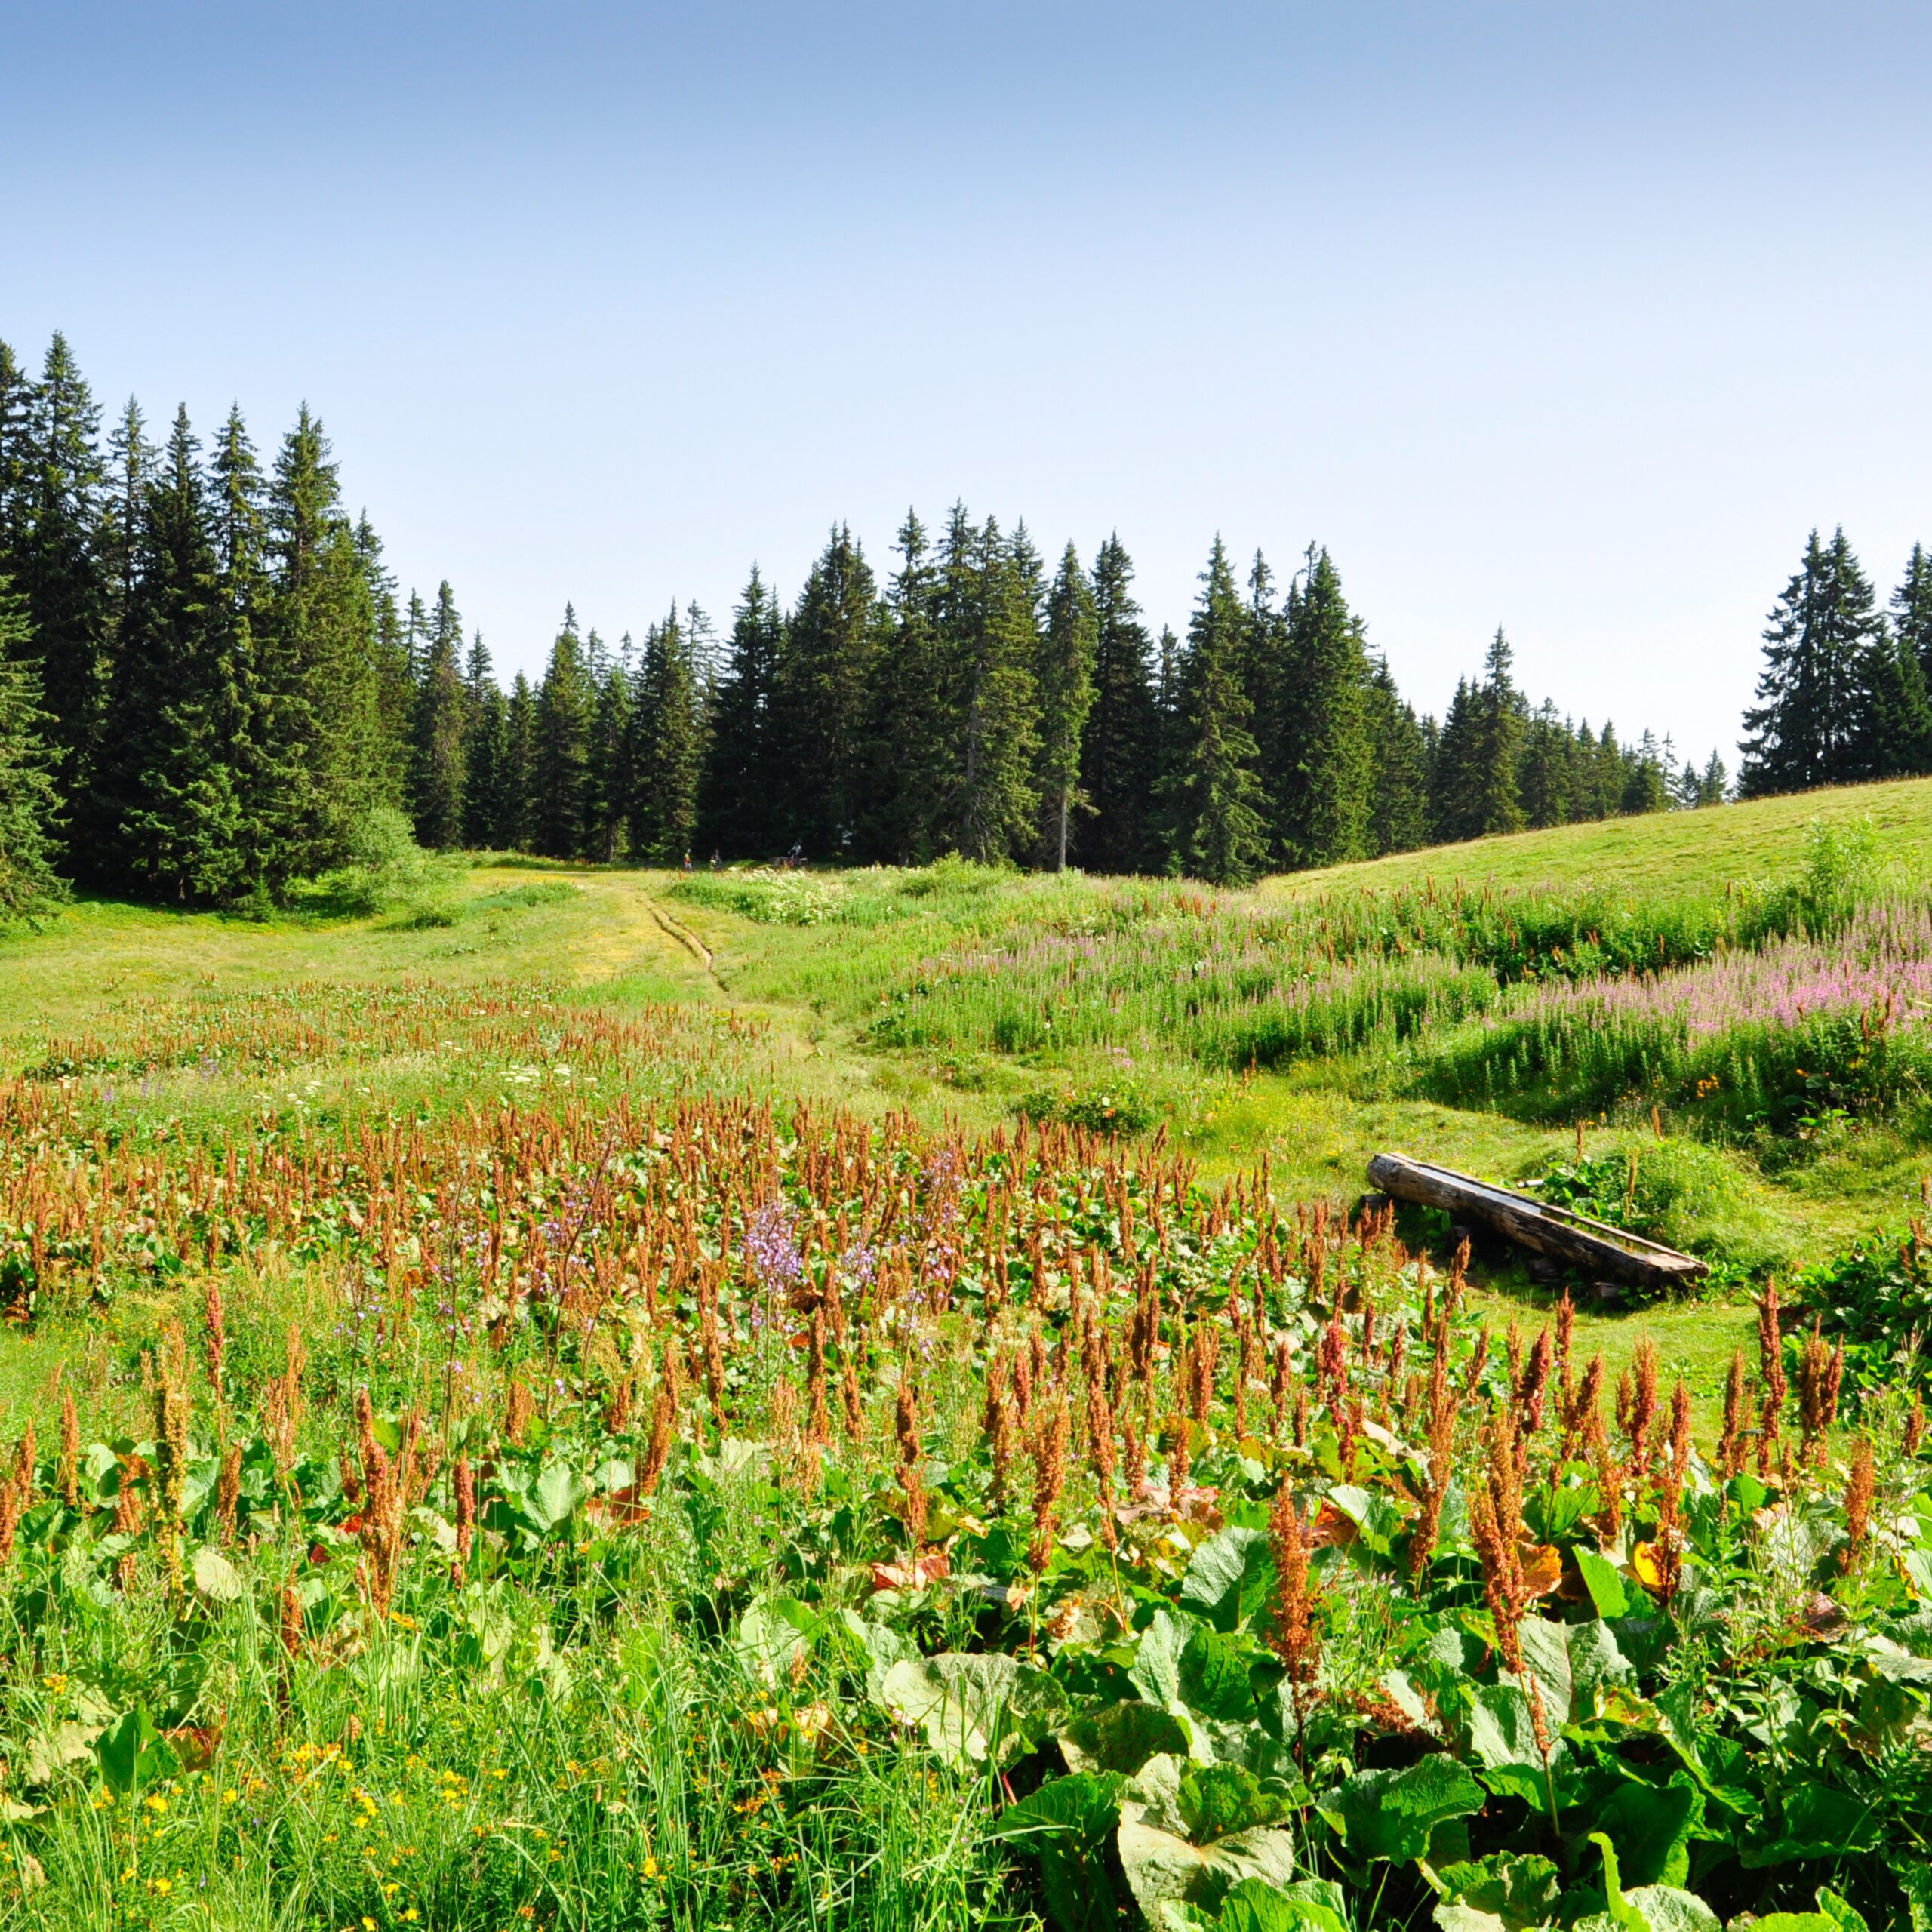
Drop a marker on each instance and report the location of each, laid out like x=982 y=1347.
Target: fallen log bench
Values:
x=1560 y=1234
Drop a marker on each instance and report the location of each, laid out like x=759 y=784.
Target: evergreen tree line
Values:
x=1844 y=693
x=211 y=683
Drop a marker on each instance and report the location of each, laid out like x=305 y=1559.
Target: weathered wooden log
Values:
x=1603 y=1252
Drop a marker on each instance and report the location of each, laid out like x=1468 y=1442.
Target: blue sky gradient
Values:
x=1573 y=318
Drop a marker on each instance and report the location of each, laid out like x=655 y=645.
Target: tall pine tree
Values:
x=1066 y=686
x=438 y=728
x=1810 y=724
x=670 y=758
x=560 y=746
x=1323 y=783
x=1120 y=749
x=1215 y=793
x=739 y=805
x=29 y=806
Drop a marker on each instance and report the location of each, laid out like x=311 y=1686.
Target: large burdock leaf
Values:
x=215 y=1578
x=975 y=1710
x=1065 y=1824
x=1155 y=1671
x=1393 y=1814
x=1309 y=1905
x=1230 y=1577
x=1122 y=1737
x=1163 y=1869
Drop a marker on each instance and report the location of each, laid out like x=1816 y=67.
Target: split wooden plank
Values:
x=1604 y=1253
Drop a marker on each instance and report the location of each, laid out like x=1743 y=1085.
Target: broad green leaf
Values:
x=556 y=1495
x=1667 y=1909
x=1162 y=1868
x=1598 y=1668
x=773 y=1631
x=1391 y=1814
x=1546 y=1652
x=1214 y=1678
x=1518 y=1890
x=1066 y=1824
x=975 y=1710
x=1155 y=1672
x=1650 y=1826
x=1230 y=1577
x=131 y=1751
x=1378 y=1521
x=1122 y=1737
x=1309 y=1905
x=1605 y=1583
x=215 y=1577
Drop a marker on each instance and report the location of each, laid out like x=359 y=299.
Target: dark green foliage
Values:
x=29 y=804
x=1812 y=724
x=909 y=780
x=1120 y=748
x=438 y=727
x=169 y=798
x=565 y=705
x=824 y=679
x=742 y=778
x=1322 y=778
x=1215 y=793
x=609 y=779
x=669 y=731
x=989 y=637
x=1065 y=684
x=1478 y=783
x=57 y=567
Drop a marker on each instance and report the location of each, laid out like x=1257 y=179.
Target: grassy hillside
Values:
x=1675 y=852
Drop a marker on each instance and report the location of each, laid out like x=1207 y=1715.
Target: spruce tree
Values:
x=1214 y=793
x=171 y=801
x=738 y=803
x=515 y=827
x=16 y=460
x=1119 y=750
x=1065 y=681
x=1811 y=724
x=58 y=570
x=997 y=644
x=1496 y=790
x=395 y=676
x=910 y=708
x=1323 y=782
x=29 y=806
x=437 y=724
x=1547 y=769
x=486 y=759
x=1646 y=782
x=670 y=759
x=1398 y=808
x=1912 y=611
x=824 y=684
x=239 y=530
x=560 y=747
x=609 y=780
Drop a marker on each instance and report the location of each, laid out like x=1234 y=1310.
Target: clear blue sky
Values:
x=1573 y=318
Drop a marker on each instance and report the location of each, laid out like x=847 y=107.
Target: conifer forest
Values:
x=734 y=1287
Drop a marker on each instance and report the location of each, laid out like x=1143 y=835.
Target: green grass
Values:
x=511 y=990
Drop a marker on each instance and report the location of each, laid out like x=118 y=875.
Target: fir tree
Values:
x=994 y=636
x=1119 y=750
x=239 y=531
x=438 y=724
x=321 y=728
x=1398 y=809
x=609 y=780
x=172 y=798
x=29 y=805
x=485 y=752
x=740 y=798
x=1646 y=782
x=910 y=708
x=1495 y=793
x=560 y=747
x=515 y=827
x=1810 y=726
x=1323 y=783
x=1912 y=611
x=395 y=676
x=823 y=688
x=57 y=566
x=670 y=758
x=16 y=461
x=1547 y=769
x=1214 y=792
x=1066 y=686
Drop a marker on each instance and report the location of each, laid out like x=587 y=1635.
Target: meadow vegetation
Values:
x=549 y=1395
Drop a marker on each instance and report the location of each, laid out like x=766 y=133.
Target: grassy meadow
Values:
x=547 y=1395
